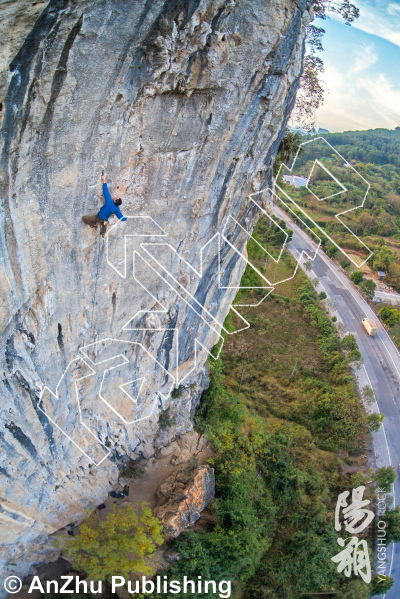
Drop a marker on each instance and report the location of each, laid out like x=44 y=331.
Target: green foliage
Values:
x=392 y=519
x=322 y=295
x=384 y=477
x=375 y=155
x=119 y=543
x=288 y=148
x=331 y=251
x=356 y=277
x=383 y=258
x=310 y=95
x=308 y=265
x=354 y=588
x=268 y=236
x=247 y=448
x=374 y=421
x=131 y=469
x=345 y=264
x=177 y=392
x=368 y=395
x=356 y=357
x=349 y=343
x=390 y=316
x=368 y=289
x=164 y=419
x=271 y=444
x=380 y=585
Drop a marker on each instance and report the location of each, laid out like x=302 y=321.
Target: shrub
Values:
x=390 y=316
x=345 y=264
x=380 y=585
x=164 y=419
x=308 y=265
x=368 y=289
x=384 y=477
x=374 y=421
x=356 y=277
x=392 y=519
x=355 y=356
x=349 y=343
x=103 y=548
x=332 y=251
x=132 y=469
x=177 y=392
x=334 y=319
x=368 y=395
x=322 y=295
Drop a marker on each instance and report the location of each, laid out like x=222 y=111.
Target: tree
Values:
x=332 y=251
x=345 y=9
x=392 y=519
x=349 y=343
x=310 y=95
x=390 y=316
x=119 y=543
x=394 y=274
x=368 y=395
x=383 y=258
x=322 y=295
x=288 y=148
x=384 y=477
x=380 y=584
x=354 y=588
x=374 y=421
x=355 y=356
x=356 y=277
x=308 y=265
x=368 y=289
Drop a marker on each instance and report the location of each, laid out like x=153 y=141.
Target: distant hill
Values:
x=375 y=146
x=312 y=132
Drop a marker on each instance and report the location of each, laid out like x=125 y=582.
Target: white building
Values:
x=295 y=180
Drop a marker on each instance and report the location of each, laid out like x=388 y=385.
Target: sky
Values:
x=362 y=68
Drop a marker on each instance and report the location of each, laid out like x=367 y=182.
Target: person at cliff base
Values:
x=110 y=207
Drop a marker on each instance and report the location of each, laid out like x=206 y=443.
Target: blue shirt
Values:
x=109 y=207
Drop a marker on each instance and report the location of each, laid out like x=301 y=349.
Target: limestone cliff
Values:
x=183 y=103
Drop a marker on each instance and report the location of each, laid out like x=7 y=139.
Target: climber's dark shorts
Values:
x=94 y=220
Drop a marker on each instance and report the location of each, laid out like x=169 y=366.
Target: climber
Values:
x=110 y=207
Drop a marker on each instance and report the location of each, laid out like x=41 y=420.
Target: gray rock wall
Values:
x=184 y=104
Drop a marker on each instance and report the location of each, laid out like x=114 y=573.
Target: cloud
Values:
x=385 y=99
x=393 y=9
x=378 y=20
x=365 y=57
x=367 y=101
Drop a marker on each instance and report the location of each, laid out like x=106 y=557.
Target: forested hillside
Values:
x=368 y=157
x=376 y=146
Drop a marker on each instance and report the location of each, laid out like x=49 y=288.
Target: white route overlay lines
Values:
x=82 y=432
x=130 y=400
x=344 y=189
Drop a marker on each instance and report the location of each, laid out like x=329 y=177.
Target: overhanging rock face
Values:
x=184 y=105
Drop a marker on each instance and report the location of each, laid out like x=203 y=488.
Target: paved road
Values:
x=386 y=296
x=381 y=365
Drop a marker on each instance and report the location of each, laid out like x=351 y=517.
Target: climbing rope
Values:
x=95 y=287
